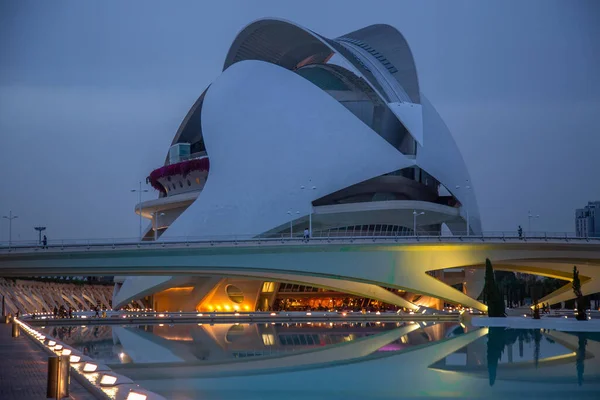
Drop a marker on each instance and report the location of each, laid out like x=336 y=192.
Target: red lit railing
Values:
x=181 y=168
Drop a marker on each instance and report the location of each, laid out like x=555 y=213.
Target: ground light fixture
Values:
x=89 y=367
x=136 y=396
x=108 y=380
x=66 y=352
x=74 y=359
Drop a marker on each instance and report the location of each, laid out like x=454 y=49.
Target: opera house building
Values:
x=303 y=133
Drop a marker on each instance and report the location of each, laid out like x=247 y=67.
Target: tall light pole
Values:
x=10 y=218
x=415 y=215
x=530 y=216
x=467 y=187
x=156 y=215
x=310 y=213
x=140 y=191
x=292 y=222
x=40 y=229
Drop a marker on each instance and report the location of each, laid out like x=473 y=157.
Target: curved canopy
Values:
x=278 y=42
x=388 y=41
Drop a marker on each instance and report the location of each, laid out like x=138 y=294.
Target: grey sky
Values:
x=91 y=94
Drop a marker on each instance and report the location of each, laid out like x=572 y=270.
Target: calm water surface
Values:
x=345 y=361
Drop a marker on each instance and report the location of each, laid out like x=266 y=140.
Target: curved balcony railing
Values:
x=318 y=237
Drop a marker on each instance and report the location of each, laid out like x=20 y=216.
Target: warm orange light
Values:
x=247 y=307
x=227 y=307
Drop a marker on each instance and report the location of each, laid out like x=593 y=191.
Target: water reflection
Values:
x=186 y=343
x=322 y=360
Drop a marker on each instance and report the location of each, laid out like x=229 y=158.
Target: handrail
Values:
x=323 y=237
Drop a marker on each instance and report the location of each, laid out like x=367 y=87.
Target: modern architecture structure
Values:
x=36 y=296
x=306 y=132
x=587 y=224
x=246 y=275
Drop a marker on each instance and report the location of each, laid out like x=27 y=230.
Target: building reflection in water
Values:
x=219 y=342
x=460 y=359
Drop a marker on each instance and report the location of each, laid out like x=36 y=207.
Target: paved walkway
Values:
x=24 y=369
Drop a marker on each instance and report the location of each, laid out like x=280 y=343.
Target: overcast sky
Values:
x=91 y=94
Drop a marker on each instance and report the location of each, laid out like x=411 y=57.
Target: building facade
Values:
x=587 y=223
x=306 y=133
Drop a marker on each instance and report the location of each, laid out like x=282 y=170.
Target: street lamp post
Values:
x=467 y=187
x=156 y=215
x=40 y=229
x=10 y=218
x=140 y=191
x=292 y=222
x=415 y=215
x=530 y=216
x=310 y=212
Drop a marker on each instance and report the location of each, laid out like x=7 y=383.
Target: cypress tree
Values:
x=492 y=293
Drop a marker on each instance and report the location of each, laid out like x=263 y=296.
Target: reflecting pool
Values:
x=326 y=360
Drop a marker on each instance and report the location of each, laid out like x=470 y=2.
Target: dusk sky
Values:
x=91 y=94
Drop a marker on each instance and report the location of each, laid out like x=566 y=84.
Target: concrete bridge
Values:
x=356 y=265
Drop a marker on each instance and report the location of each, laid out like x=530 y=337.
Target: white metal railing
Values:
x=332 y=236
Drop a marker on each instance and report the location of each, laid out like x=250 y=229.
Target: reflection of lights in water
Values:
x=268 y=339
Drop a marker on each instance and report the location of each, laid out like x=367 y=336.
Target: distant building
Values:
x=587 y=220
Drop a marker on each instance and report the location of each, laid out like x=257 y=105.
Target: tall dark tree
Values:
x=537 y=337
x=495 y=347
x=581 y=316
x=580 y=357
x=492 y=293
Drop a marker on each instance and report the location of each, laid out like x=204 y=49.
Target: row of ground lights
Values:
x=89 y=370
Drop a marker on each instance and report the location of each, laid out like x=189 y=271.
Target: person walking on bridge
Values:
x=520 y=232
x=306 y=234
x=45 y=242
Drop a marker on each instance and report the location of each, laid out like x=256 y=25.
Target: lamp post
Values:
x=467 y=187
x=415 y=215
x=292 y=222
x=156 y=215
x=310 y=212
x=10 y=218
x=40 y=229
x=140 y=191
x=530 y=216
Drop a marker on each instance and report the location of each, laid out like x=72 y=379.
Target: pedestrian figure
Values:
x=55 y=311
x=97 y=314
x=306 y=234
x=45 y=242
x=70 y=312
x=520 y=231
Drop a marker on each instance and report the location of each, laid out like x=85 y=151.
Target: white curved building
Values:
x=305 y=132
